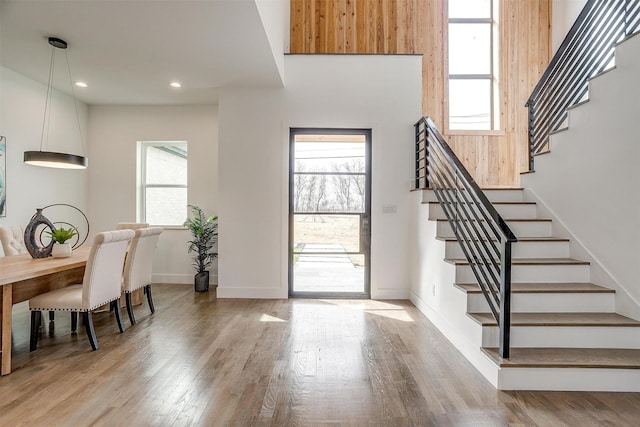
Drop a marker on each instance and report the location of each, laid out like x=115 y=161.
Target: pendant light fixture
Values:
x=54 y=159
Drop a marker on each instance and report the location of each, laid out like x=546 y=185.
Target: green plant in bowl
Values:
x=61 y=235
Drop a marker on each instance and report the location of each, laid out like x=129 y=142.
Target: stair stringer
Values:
x=433 y=293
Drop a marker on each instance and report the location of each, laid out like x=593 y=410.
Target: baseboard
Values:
x=261 y=293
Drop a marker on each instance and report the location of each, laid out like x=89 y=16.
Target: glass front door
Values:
x=329 y=212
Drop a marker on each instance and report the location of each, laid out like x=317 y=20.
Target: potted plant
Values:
x=61 y=248
x=204 y=233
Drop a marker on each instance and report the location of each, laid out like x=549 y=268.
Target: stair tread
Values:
x=509 y=219
x=501 y=187
x=488 y=187
x=612 y=358
x=528 y=261
x=520 y=239
x=493 y=203
x=473 y=288
x=559 y=319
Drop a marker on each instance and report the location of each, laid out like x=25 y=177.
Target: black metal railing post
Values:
x=417 y=147
x=530 y=135
x=505 y=300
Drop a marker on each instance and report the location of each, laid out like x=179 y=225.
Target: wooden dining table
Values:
x=23 y=277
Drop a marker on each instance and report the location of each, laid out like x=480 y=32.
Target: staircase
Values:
x=565 y=333
x=571 y=277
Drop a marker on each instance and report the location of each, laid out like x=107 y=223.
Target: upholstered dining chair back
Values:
x=12 y=238
x=137 y=269
x=103 y=274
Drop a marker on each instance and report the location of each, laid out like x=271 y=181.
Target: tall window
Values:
x=473 y=97
x=162 y=189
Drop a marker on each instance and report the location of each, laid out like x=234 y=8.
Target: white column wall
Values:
x=274 y=15
x=22 y=113
x=338 y=91
x=114 y=132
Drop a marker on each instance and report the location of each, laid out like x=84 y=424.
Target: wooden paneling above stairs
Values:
x=419 y=27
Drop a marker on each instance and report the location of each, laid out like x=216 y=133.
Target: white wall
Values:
x=597 y=198
x=114 y=132
x=22 y=112
x=274 y=15
x=563 y=15
x=378 y=92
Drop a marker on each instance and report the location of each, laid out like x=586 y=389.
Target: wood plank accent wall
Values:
x=420 y=27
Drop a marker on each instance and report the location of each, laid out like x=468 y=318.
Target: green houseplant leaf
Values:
x=204 y=233
x=61 y=235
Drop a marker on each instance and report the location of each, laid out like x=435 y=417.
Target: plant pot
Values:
x=61 y=250
x=201 y=282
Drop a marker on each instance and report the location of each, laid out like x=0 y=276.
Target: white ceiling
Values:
x=129 y=50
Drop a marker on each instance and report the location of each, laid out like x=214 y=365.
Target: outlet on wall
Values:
x=433 y=289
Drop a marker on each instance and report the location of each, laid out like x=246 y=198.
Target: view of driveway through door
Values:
x=329 y=212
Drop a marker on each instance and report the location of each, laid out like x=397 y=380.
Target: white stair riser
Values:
x=553 y=249
x=549 y=303
x=556 y=273
x=519 y=228
x=515 y=211
x=570 y=379
x=504 y=195
x=492 y=195
x=566 y=336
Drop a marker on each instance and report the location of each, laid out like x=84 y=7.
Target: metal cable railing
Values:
x=588 y=49
x=481 y=232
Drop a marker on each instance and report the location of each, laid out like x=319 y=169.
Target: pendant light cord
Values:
x=47 y=100
x=75 y=103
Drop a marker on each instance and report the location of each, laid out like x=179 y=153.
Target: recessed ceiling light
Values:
x=81 y=84
x=175 y=84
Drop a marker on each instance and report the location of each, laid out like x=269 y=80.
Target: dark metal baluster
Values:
x=505 y=300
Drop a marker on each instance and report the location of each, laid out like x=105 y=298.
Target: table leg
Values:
x=5 y=329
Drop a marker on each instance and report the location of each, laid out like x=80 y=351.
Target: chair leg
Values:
x=91 y=333
x=116 y=308
x=127 y=298
x=52 y=315
x=150 y=298
x=74 y=321
x=36 y=317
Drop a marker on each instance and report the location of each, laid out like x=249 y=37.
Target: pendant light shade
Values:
x=51 y=159
x=54 y=159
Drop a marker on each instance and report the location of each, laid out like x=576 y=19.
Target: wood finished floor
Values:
x=202 y=361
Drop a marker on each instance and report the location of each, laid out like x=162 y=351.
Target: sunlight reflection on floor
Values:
x=379 y=308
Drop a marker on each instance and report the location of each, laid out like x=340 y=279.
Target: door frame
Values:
x=367 y=132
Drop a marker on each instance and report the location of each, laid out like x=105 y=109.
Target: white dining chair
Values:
x=12 y=238
x=137 y=268
x=101 y=285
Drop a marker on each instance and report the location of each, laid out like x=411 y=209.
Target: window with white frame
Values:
x=162 y=179
x=473 y=70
